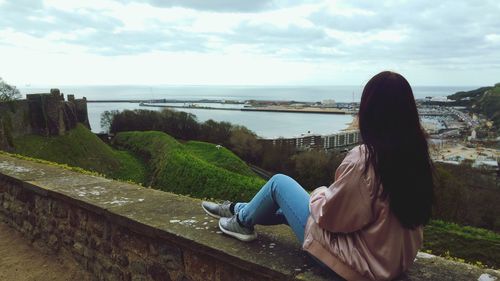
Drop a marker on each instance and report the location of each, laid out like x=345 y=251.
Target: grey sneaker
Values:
x=217 y=210
x=231 y=227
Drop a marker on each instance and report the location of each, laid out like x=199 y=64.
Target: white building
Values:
x=340 y=139
x=330 y=103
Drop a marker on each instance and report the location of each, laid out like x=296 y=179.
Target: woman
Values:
x=367 y=225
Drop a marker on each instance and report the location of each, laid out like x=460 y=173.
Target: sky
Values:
x=248 y=42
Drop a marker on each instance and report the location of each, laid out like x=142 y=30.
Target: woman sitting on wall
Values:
x=367 y=225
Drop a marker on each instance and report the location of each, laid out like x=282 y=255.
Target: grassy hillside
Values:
x=188 y=169
x=489 y=105
x=220 y=157
x=463 y=242
x=472 y=95
x=81 y=148
x=485 y=100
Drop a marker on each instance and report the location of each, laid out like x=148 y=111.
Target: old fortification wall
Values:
x=45 y=114
x=120 y=231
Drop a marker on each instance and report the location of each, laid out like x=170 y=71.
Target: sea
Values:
x=264 y=124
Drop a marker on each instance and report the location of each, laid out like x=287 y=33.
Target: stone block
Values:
x=122 y=260
x=225 y=271
x=27 y=227
x=117 y=273
x=32 y=218
x=53 y=242
x=18 y=220
x=159 y=273
x=88 y=253
x=131 y=242
x=137 y=267
x=171 y=257
x=59 y=210
x=105 y=248
x=42 y=205
x=74 y=218
x=139 y=278
x=198 y=267
x=24 y=195
x=80 y=236
x=17 y=207
x=153 y=249
x=96 y=227
x=105 y=261
x=93 y=242
x=97 y=268
x=78 y=248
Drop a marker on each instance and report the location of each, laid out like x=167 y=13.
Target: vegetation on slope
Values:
x=81 y=148
x=485 y=100
x=184 y=169
x=466 y=196
x=219 y=156
x=489 y=105
x=474 y=245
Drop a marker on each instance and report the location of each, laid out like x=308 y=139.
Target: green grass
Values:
x=221 y=157
x=473 y=245
x=193 y=169
x=81 y=148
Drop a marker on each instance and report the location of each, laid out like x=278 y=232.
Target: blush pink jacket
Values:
x=352 y=230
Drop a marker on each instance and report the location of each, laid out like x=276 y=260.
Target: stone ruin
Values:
x=46 y=114
x=51 y=115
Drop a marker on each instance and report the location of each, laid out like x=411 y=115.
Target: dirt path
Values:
x=19 y=260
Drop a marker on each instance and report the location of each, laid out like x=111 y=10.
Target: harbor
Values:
x=317 y=110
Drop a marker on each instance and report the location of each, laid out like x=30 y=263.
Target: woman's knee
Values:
x=280 y=177
x=281 y=181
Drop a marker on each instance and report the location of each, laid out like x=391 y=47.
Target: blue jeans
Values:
x=280 y=201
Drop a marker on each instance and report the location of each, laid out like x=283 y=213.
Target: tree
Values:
x=107 y=119
x=312 y=168
x=245 y=143
x=216 y=132
x=8 y=92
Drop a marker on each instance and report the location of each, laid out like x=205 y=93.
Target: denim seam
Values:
x=294 y=214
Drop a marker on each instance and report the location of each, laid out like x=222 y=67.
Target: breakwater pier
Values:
x=317 y=110
x=248 y=105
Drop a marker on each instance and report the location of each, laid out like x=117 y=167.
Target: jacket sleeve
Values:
x=345 y=206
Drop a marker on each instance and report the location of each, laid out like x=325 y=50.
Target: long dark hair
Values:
x=397 y=147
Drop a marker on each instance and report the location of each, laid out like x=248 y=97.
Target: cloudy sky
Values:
x=248 y=42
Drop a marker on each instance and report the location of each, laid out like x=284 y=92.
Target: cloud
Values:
x=34 y=18
x=214 y=5
x=342 y=35
x=137 y=42
x=449 y=33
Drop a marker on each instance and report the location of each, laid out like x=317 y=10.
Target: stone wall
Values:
x=120 y=231
x=106 y=249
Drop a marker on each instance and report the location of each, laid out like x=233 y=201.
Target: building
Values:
x=329 y=103
x=306 y=141
x=340 y=139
